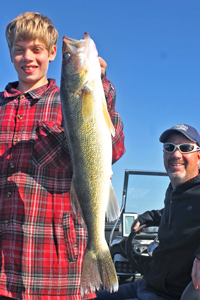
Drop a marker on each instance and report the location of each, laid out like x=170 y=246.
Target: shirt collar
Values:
x=12 y=92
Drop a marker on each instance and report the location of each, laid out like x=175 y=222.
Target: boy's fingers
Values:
x=103 y=65
x=102 y=62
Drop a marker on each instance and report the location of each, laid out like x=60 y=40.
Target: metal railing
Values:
x=125 y=189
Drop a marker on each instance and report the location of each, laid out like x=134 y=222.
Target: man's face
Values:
x=180 y=167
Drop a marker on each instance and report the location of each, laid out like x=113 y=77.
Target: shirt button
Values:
x=20 y=117
x=21 y=96
x=6 y=223
x=16 y=139
x=12 y=165
x=9 y=194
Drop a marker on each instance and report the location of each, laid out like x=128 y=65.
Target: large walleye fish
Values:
x=89 y=128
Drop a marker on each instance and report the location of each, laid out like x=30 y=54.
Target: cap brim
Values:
x=166 y=133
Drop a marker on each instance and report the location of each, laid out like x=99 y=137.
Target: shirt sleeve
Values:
x=151 y=218
x=118 y=139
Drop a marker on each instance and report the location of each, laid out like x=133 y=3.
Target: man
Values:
x=168 y=271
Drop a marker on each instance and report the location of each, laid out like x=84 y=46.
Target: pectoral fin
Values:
x=87 y=104
x=112 y=210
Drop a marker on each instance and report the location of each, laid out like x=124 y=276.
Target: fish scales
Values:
x=88 y=127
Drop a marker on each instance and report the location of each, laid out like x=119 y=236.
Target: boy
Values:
x=42 y=240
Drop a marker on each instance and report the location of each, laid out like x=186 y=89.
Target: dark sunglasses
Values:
x=183 y=148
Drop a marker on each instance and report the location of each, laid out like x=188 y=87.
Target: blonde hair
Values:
x=29 y=26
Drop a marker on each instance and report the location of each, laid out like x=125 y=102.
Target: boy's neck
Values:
x=26 y=87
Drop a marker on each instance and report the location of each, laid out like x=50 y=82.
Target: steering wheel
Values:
x=134 y=253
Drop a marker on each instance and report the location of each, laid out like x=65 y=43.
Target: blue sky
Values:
x=152 y=48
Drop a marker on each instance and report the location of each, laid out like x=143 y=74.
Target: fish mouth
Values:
x=72 y=42
x=76 y=51
x=75 y=46
x=76 y=43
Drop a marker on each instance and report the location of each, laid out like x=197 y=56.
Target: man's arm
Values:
x=150 y=218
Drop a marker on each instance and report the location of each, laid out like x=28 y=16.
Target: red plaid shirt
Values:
x=41 y=239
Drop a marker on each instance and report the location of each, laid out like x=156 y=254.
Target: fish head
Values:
x=79 y=59
x=73 y=55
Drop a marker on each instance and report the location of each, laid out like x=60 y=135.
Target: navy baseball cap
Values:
x=189 y=131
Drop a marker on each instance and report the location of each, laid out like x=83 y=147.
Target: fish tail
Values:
x=98 y=270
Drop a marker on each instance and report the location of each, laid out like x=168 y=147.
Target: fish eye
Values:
x=66 y=55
